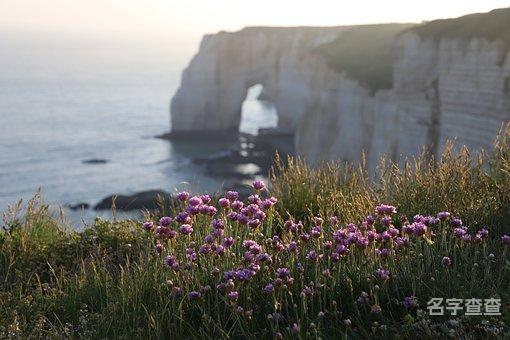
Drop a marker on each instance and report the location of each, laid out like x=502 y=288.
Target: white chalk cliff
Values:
x=442 y=88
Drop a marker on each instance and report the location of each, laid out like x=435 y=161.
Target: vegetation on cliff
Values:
x=310 y=257
x=492 y=26
x=364 y=53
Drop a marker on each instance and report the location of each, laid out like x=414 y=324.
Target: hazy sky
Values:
x=191 y=18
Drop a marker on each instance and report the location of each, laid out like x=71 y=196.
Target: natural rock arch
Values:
x=258 y=111
x=442 y=89
x=216 y=82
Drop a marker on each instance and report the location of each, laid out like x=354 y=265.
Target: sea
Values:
x=67 y=100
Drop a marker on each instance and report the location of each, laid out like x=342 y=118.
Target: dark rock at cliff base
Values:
x=228 y=135
x=79 y=206
x=139 y=201
x=234 y=165
x=95 y=161
x=251 y=156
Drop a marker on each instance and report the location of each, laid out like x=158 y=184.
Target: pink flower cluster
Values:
x=235 y=242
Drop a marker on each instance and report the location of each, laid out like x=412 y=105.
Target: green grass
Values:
x=364 y=53
x=108 y=282
x=473 y=187
x=493 y=26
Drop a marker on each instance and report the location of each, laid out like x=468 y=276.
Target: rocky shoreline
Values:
x=244 y=158
x=253 y=156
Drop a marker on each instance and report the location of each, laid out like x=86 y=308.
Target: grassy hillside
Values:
x=280 y=271
x=493 y=26
x=364 y=54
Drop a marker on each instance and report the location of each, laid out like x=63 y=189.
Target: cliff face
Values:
x=441 y=88
x=216 y=82
x=451 y=89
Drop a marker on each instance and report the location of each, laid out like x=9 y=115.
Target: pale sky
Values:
x=192 y=18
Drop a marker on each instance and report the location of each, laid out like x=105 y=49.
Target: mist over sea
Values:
x=65 y=100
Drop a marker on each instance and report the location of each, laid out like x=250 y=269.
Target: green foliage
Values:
x=364 y=54
x=474 y=187
x=493 y=26
x=108 y=282
x=328 y=189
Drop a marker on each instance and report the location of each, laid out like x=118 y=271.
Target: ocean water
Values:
x=66 y=100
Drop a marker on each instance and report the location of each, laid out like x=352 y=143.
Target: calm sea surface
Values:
x=63 y=101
